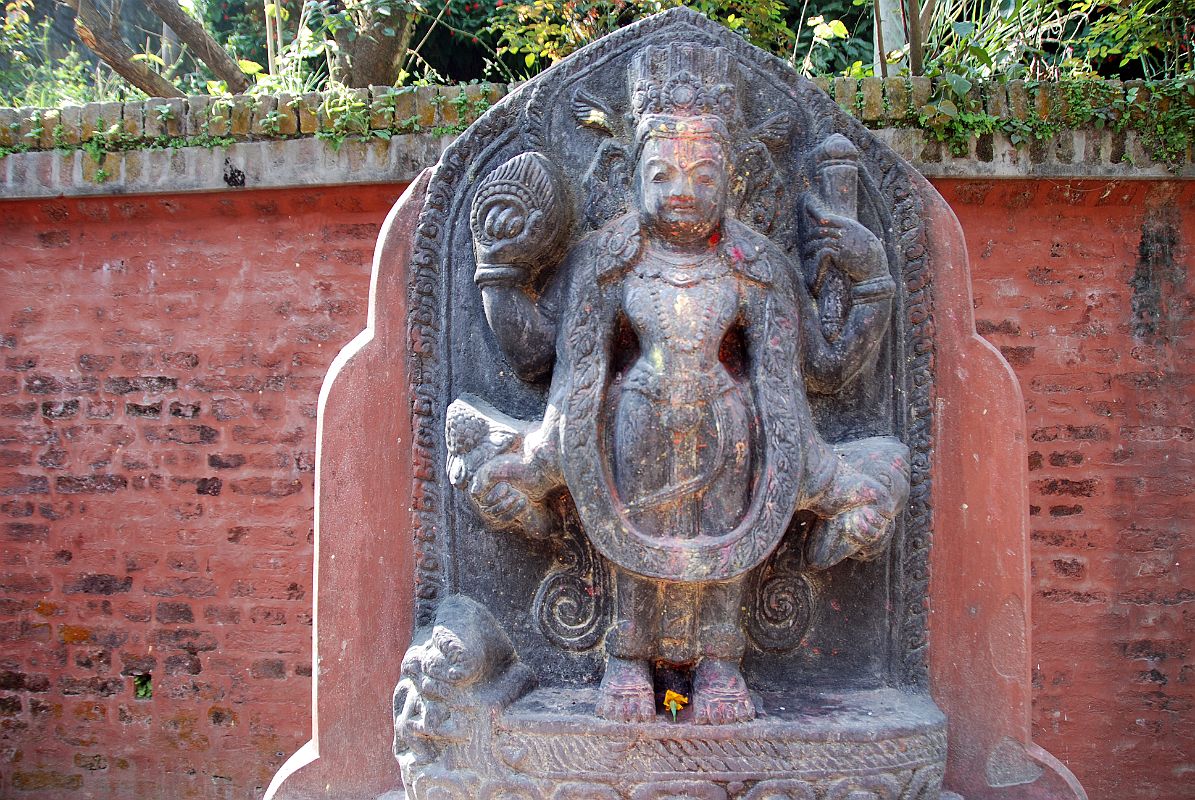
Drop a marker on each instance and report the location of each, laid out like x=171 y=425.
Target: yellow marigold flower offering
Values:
x=674 y=702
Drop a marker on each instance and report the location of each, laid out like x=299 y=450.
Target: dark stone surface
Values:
x=673 y=300
x=474 y=364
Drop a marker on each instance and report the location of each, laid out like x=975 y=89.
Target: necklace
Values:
x=681 y=270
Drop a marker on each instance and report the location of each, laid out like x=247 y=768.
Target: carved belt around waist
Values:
x=689 y=390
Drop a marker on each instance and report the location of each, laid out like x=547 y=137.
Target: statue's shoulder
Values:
x=596 y=258
x=612 y=248
x=750 y=253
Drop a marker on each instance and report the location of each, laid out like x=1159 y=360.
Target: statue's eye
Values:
x=705 y=178
x=658 y=170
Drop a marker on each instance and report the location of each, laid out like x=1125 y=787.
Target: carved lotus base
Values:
x=868 y=745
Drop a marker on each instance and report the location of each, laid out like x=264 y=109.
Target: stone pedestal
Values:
x=882 y=744
x=801 y=745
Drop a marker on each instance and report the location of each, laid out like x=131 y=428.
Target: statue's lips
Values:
x=683 y=209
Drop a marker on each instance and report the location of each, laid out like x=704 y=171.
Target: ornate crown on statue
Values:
x=684 y=89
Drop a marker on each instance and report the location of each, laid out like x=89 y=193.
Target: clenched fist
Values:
x=845 y=242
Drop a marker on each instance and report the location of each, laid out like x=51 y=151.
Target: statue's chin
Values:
x=684 y=231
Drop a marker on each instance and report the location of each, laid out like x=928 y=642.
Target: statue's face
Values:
x=682 y=186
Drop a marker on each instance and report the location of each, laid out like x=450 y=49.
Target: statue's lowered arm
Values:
x=855 y=488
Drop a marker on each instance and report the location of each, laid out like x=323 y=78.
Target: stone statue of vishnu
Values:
x=680 y=345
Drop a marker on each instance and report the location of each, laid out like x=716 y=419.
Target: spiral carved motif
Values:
x=571 y=602
x=782 y=612
x=781 y=609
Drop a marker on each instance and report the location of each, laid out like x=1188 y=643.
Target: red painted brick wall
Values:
x=162 y=357
x=162 y=360
x=1089 y=290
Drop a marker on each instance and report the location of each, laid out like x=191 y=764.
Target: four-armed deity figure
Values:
x=680 y=345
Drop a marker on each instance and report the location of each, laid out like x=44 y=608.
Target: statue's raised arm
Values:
x=518 y=222
x=846 y=297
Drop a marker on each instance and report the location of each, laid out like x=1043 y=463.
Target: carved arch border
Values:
x=427 y=335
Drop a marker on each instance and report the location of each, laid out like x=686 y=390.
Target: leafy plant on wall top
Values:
x=1156 y=36
x=544 y=31
x=964 y=44
x=967 y=42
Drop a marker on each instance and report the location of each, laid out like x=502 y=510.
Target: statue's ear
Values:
x=607 y=184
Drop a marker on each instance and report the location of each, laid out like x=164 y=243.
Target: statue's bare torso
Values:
x=683 y=443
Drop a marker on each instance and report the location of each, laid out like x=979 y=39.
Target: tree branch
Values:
x=94 y=32
x=203 y=46
x=371 y=57
x=916 y=43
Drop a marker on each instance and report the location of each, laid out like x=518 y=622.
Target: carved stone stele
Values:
x=680 y=390
x=674 y=331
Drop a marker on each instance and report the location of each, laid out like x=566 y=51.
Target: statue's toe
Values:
x=619 y=707
x=722 y=709
x=720 y=695
x=829 y=546
x=641 y=709
x=858 y=533
x=626 y=693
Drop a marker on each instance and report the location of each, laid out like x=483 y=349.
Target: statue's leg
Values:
x=676 y=627
x=857 y=489
x=627 y=693
x=719 y=692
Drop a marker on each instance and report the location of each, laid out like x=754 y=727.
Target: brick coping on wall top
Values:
x=232 y=143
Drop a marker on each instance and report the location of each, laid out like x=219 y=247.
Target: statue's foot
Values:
x=626 y=693
x=720 y=694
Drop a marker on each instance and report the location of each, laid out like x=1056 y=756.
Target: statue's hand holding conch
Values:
x=516 y=221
